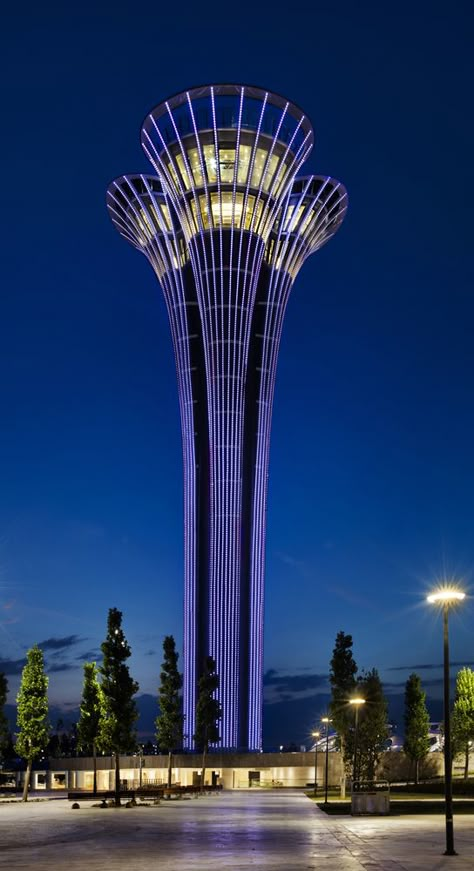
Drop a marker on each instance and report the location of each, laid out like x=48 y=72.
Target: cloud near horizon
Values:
x=12 y=666
x=60 y=643
x=428 y=666
x=280 y=686
x=60 y=666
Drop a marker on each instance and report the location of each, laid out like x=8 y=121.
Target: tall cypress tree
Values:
x=342 y=677
x=462 y=729
x=4 y=730
x=417 y=723
x=169 y=723
x=373 y=725
x=32 y=712
x=91 y=715
x=118 y=688
x=208 y=712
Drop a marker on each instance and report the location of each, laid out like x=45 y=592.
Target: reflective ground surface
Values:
x=251 y=829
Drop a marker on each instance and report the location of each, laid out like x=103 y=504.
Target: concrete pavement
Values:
x=271 y=830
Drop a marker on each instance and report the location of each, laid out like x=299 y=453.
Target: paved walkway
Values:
x=237 y=830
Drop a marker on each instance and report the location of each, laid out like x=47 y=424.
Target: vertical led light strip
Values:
x=204 y=262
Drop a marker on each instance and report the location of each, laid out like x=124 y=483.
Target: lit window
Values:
x=270 y=172
x=195 y=217
x=227 y=164
x=258 y=167
x=173 y=175
x=193 y=159
x=210 y=161
x=280 y=179
x=230 y=215
x=307 y=222
x=245 y=152
x=183 y=171
x=204 y=212
x=249 y=212
x=166 y=215
x=145 y=225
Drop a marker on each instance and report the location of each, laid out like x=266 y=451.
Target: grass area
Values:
x=406 y=799
x=402 y=807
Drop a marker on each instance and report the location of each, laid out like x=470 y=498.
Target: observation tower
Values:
x=226 y=224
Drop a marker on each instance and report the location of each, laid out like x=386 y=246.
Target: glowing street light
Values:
x=447 y=597
x=316 y=735
x=357 y=702
x=326 y=721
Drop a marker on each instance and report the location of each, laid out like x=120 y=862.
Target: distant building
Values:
x=226 y=224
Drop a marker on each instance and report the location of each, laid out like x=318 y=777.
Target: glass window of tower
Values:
x=270 y=171
x=173 y=175
x=211 y=164
x=245 y=153
x=227 y=164
x=195 y=164
x=183 y=171
x=166 y=215
x=258 y=167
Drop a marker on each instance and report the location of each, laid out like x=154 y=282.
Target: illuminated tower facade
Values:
x=226 y=224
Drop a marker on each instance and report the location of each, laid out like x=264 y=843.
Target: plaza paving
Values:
x=237 y=830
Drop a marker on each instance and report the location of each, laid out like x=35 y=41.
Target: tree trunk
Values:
x=170 y=765
x=27 y=780
x=466 y=762
x=203 y=772
x=117 y=779
x=417 y=769
x=94 y=754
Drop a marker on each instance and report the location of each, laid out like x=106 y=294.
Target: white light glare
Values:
x=447 y=595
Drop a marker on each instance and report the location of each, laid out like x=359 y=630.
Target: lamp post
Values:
x=356 y=702
x=316 y=735
x=326 y=721
x=447 y=597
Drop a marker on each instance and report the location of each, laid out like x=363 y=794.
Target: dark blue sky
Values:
x=372 y=464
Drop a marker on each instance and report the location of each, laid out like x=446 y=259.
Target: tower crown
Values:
x=227 y=155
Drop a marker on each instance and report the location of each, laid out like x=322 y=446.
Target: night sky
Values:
x=371 y=496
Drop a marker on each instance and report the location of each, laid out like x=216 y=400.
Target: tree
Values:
x=91 y=714
x=373 y=725
x=4 y=729
x=32 y=712
x=417 y=723
x=342 y=677
x=169 y=723
x=462 y=723
x=208 y=712
x=117 y=733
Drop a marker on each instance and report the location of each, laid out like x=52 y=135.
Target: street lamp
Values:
x=326 y=721
x=447 y=597
x=357 y=702
x=316 y=735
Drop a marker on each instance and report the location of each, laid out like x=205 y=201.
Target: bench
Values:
x=142 y=792
x=108 y=794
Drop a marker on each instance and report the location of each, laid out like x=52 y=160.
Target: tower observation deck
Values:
x=226 y=224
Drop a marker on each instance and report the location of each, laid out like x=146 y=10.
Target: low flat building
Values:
x=232 y=770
